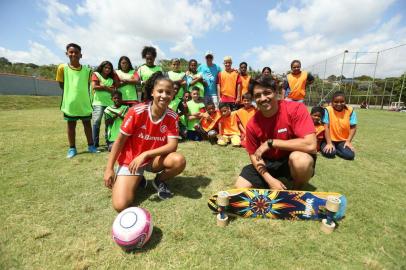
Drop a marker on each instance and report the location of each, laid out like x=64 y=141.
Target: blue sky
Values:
x=263 y=33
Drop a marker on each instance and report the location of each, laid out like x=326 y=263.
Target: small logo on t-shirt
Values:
x=163 y=128
x=128 y=121
x=143 y=127
x=282 y=130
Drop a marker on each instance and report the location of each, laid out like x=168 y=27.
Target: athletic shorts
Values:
x=276 y=168
x=123 y=170
x=76 y=118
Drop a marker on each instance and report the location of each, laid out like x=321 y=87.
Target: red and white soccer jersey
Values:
x=291 y=121
x=145 y=134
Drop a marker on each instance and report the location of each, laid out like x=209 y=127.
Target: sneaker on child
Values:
x=92 y=149
x=163 y=190
x=72 y=152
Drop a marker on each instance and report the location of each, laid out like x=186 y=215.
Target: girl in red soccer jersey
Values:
x=148 y=140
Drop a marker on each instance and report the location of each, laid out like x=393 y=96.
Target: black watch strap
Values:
x=270 y=143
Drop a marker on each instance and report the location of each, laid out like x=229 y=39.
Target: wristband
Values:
x=270 y=143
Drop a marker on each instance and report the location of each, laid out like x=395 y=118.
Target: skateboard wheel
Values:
x=333 y=204
x=222 y=222
x=327 y=228
x=222 y=198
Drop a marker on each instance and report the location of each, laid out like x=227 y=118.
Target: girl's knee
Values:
x=177 y=160
x=120 y=204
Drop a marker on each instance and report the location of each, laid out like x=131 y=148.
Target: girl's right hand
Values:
x=109 y=178
x=329 y=148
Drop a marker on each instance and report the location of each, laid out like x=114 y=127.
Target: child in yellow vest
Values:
x=340 y=122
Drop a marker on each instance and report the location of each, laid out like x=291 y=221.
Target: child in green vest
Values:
x=76 y=103
x=114 y=116
x=195 y=111
x=183 y=113
x=104 y=82
x=128 y=79
x=146 y=70
x=177 y=76
x=194 y=78
x=175 y=101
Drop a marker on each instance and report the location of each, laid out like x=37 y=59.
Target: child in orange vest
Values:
x=229 y=84
x=228 y=127
x=294 y=88
x=317 y=114
x=209 y=122
x=245 y=80
x=244 y=114
x=340 y=122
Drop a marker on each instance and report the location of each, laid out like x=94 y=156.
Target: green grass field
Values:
x=56 y=213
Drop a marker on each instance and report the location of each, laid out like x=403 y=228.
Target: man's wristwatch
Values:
x=270 y=143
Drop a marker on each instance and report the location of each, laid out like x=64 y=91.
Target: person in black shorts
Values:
x=280 y=141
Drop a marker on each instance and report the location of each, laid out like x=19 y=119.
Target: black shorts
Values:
x=76 y=118
x=276 y=168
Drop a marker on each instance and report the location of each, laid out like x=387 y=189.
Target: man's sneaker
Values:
x=163 y=190
x=72 y=152
x=144 y=182
x=92 y=149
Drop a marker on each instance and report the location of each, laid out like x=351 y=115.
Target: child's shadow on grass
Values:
x=307 y=187
x=180 y=186
x=187 y=186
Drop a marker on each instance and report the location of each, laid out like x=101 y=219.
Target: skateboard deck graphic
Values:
x=279 y=204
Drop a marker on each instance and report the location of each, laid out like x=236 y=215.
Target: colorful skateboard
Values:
x=279 y=204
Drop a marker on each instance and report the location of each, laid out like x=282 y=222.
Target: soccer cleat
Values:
x=92 y=149
x=163 y=190
x=72 y=152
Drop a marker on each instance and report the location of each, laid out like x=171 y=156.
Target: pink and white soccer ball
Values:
x=132 y=228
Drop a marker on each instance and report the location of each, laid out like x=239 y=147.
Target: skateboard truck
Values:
x=222 y=202
x=332 y=206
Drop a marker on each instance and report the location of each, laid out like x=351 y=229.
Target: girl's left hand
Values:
x=136 y=163
x=349 y=145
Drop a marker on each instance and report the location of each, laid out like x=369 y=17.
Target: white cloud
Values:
x=184 y=46
x=311 y=33
x=123 y=27
x=37 y=53
x=291 y=36
x=331 y=18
